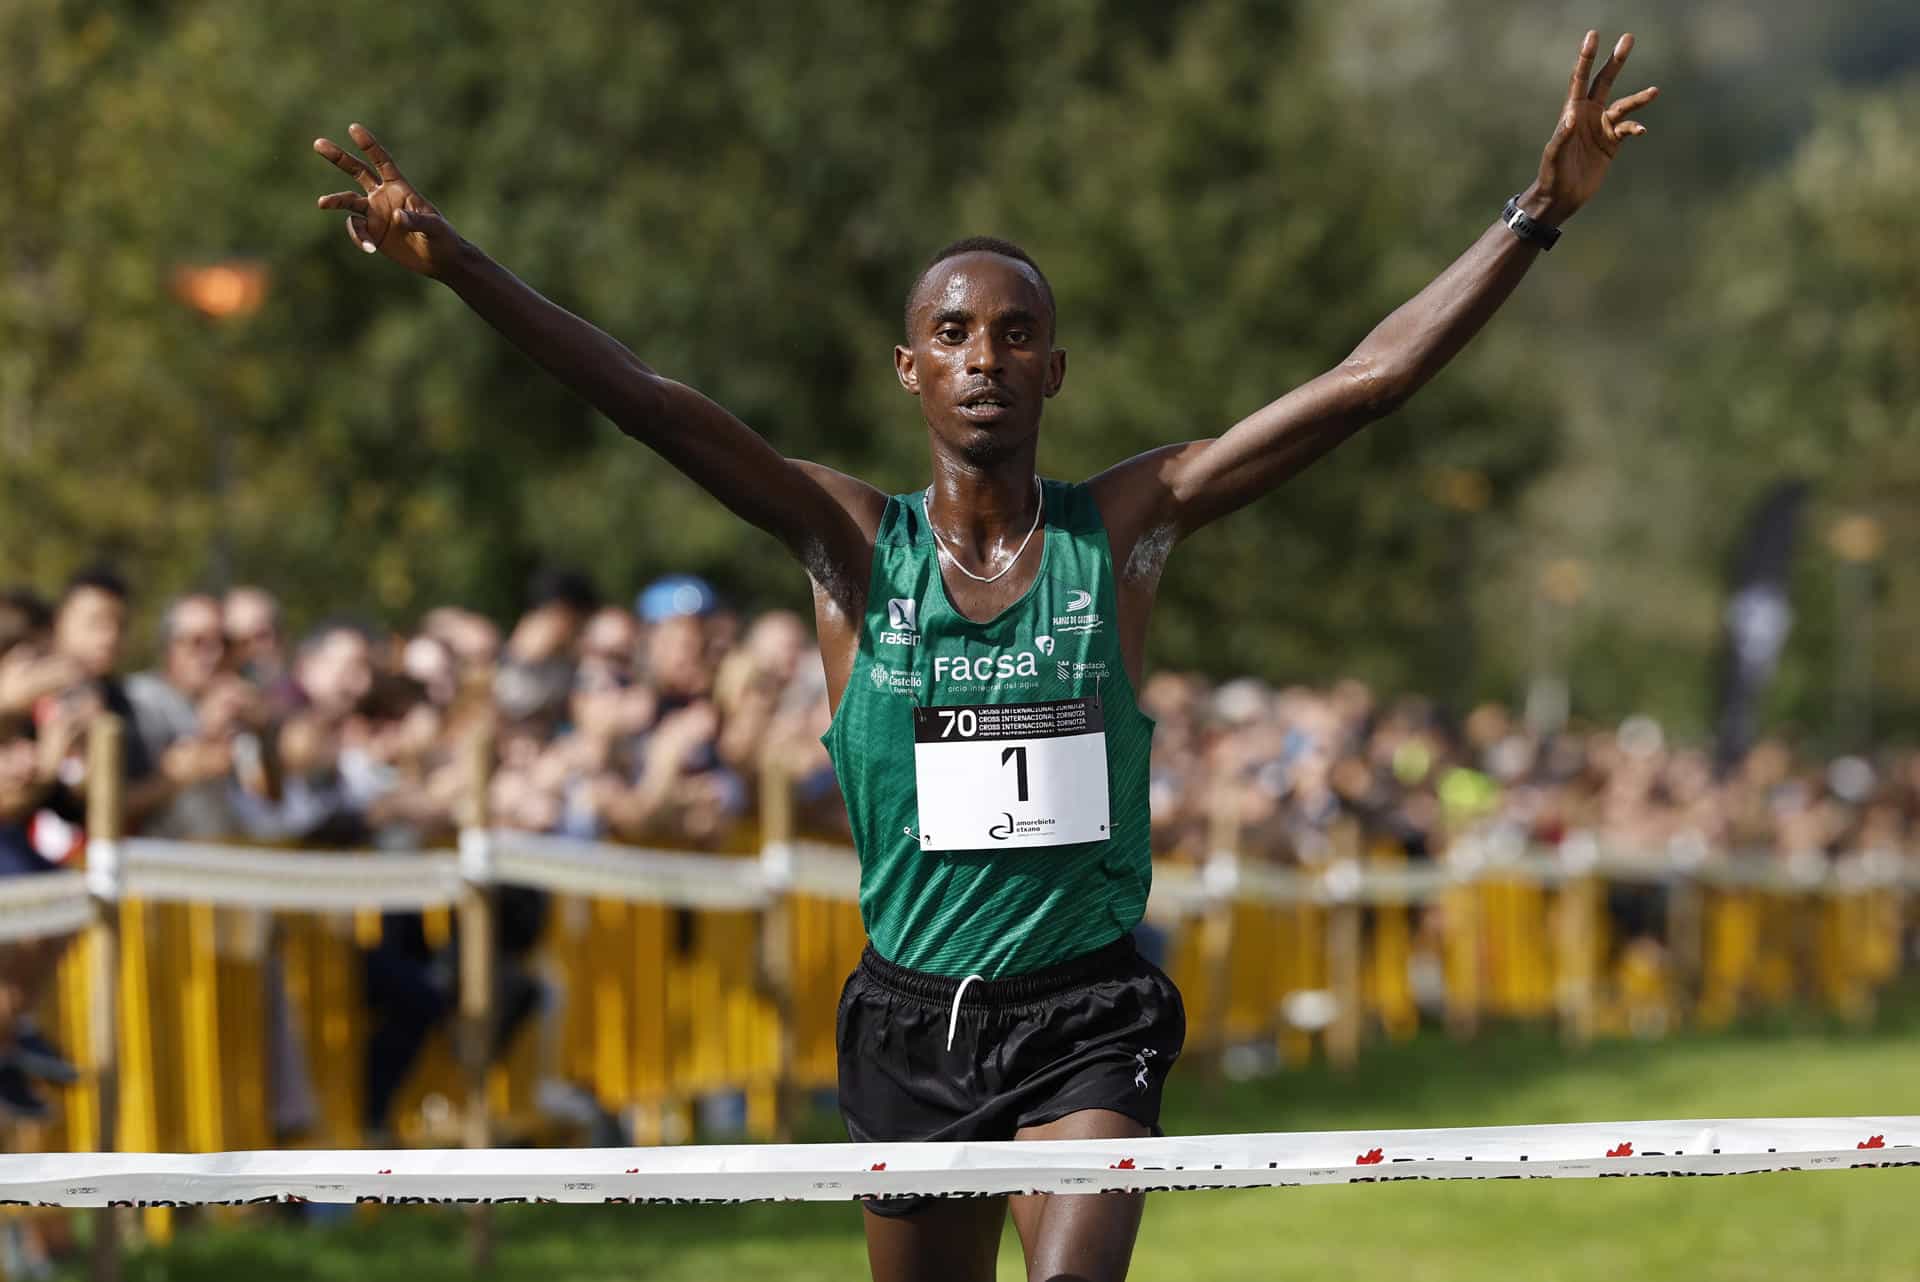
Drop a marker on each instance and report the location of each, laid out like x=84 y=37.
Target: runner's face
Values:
x=980 y=354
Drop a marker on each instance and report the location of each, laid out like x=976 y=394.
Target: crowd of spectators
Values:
x=1309 y=774
x=652 y=722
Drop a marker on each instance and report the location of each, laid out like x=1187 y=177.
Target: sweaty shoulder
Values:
x=1139 y=502
x=861 y=502
x=840 y=563
x=839 y=559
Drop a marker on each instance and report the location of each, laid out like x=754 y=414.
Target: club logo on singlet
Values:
x=1074 y=621
x=887 y=681
x=902 y=622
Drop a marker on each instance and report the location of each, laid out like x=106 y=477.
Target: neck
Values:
x=983 y=510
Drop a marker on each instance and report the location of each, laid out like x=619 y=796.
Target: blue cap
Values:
x=675 y=594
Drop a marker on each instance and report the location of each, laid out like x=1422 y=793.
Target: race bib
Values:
x=1011 y=774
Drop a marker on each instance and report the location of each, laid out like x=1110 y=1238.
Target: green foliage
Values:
x=1808 y=362
x=1226 y=193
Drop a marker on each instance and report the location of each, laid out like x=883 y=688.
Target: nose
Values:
x=983 y=355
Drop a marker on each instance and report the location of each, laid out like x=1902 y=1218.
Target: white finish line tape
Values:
x=839 y=1172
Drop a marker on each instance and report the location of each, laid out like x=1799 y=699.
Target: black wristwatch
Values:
x=1531 y=230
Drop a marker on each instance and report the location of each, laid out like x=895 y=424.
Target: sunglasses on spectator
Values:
x=616 y=658
x=200 y=640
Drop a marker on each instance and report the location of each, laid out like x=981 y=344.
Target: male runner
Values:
x=983 y=641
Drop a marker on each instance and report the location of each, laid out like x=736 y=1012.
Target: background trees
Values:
x=1226 y=193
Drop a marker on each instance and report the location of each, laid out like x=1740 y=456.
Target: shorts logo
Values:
x=903 y=626
x=1140 y=1059
x=1045 y=644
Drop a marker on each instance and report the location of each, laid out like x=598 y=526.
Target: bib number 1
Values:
x=1011 y=775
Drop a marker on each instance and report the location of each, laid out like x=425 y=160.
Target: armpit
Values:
x=1149 y=556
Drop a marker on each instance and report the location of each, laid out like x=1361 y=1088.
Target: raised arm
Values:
x=1153 y=499
x=824 y=518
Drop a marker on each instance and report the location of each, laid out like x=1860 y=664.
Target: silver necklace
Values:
x=1038 y=506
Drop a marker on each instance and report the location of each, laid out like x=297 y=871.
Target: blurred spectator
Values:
x=29 y=670
x=473 y=639
x=674 y=595
x=168 y=725
x=89 y=632
x=32 y=840
x=256 y=647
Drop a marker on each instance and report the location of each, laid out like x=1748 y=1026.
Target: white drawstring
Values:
x=953 y=1020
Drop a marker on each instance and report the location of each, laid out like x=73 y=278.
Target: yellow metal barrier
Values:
x=659 y=1006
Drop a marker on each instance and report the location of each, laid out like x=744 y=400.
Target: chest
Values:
x=1052 y=638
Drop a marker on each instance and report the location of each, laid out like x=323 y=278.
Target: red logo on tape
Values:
x=386 y=1170
x=1873 y=1141
x=1124 y=1164
x=878 y=1166
x=633 y=1170
x=1625 y=1150
x=1372 y=1157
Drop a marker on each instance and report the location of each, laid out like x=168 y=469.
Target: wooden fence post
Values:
x=1342 y=883
x=1216 y=930
x=776 y=930
x=1460 y=942
x=106 y=818
x=477 y=963
x=1687 y=941
x=1579 y=906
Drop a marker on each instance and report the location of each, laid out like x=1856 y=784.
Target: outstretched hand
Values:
x=1590 y=132
x=387 y=215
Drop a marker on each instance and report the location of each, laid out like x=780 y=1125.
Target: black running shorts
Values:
x=1097 y=1031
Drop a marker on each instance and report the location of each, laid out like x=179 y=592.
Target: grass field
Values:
x=1851 y=1225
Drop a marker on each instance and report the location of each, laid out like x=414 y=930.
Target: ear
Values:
x=904 y=371
x=1056 y=370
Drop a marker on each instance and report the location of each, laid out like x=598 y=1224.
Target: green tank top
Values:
x=1007 y=911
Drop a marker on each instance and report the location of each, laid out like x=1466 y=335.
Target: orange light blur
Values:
x=221 y=290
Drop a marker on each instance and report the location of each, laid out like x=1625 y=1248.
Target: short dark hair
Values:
x=984 y=245
x=101 y=578
x=563 y=585
x=23 y=616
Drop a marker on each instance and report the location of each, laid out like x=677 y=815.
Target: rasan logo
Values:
x=903 y=626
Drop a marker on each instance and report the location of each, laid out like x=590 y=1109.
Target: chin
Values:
x=984 y=449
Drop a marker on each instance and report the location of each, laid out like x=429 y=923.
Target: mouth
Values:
x=985 y=405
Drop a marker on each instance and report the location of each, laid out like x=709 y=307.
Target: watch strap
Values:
x=1531 y=230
